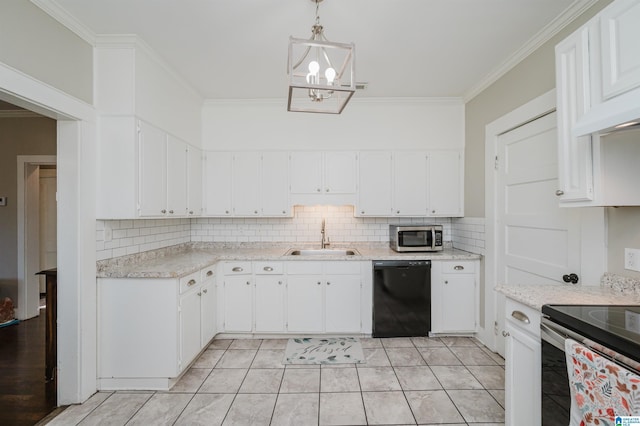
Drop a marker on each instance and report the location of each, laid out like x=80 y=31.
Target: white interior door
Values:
x=537 y=241
x=48 y=221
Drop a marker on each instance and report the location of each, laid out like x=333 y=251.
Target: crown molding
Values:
x=57 y=12
x=577 y=8
x=390 y=100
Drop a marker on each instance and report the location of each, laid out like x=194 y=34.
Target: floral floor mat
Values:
x=330 y=350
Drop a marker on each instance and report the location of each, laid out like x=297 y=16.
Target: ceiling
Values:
x=237 y=49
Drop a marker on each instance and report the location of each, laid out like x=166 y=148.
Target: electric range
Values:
x=616 y=327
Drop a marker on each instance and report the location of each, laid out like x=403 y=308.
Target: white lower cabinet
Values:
x=238 y=302
x=208 y=305
x=151 y=329
x=269 y=309
x=454 y=294
x=522 y=365
x=296 y=297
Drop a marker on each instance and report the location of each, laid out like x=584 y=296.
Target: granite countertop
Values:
x=183 y=259
x=613 y=290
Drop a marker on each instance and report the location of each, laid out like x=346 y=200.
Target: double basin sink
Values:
x=323 y=252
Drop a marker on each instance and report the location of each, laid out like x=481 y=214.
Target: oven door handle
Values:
x=552 y=336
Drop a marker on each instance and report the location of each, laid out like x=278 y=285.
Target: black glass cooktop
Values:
x=614 y=326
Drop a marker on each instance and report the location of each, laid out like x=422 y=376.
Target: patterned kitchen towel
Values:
x=600 y=389
x=329 y=350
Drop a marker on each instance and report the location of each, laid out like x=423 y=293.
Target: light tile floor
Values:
x=425 y=381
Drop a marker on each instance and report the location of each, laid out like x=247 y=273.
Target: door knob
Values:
x=570 y=278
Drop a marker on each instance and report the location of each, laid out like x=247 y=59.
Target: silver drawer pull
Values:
x=191 y=282
x=458 y=267
x=237 y=269
x=248 y=282
x=268 y=268
x=204 y=291
x=505 y=334
x=209 y=273
x=520 y=316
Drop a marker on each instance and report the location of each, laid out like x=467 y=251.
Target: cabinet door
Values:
x=153 y=167
x=217 y=184
x=304 y=303
x=575 y=169
x=458 y=304
x=340 y=172
x=238 y=303
x=274 y=191
x=246 y=183
x=208 y=312
x=522 y=365
x=410 y=184
x=176 y=177
x=445 y=184
x=190 y=332
x=194 y=181
x=269 y=306
x=374 y=183
x=306 y=172
x=342 y=304
x=619 y=40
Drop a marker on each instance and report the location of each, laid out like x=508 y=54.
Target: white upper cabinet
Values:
x=620 y=46
x=217 y=183
x=323 y=177
x=153 y=171
x=194 y=181
x=375 y=188
x=177 y=171
x=573 y=101
x=410 y=183
x=445 y=183
x=274 y=183
x=245 y=183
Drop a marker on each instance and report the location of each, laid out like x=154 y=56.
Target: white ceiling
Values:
x=237 y=49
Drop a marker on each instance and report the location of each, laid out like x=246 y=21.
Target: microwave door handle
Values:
x=433 y=238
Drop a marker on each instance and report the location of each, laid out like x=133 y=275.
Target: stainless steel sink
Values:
x=323 y=252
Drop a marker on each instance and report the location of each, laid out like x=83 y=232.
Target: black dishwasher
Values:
x=401 y=298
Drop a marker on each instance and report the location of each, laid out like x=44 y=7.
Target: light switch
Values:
x=3 y=201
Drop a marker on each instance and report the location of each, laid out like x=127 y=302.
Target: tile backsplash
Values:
x=123 y=237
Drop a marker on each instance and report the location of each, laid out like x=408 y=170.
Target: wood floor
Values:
x=25 y=397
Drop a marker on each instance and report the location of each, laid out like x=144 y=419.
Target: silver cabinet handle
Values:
x=520 y=316
x=209 y=273
x=559 y=192
x=191 y=282
x=328 y=283
x=204 y=291
x=170 y=211
x=327 y=190
x=284 y=212
x=248 y=282
x=319 y=283
x=279 y=282
x=226 y=212
x=163 y=211
x=199 y=293
x=505 y=333
x=458 y=267
x=433 y=211
x=268 y=268
x=237 y=269
x=318 y=190
x=190 y=211
x=255 y=212
x=362 y=212
x=397 y=211
x=446 y=282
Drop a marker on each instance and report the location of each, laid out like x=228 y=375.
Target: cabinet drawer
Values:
x=189 y=281
x=459 y=267
x=304 y=268
x=268 y=268
x=517 y=315
x=342 y=268
x=207 y=273
x=236 y=268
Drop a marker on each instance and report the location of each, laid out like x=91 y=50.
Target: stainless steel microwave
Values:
x=403 y=238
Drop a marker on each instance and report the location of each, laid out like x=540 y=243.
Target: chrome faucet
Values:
x=325 y=240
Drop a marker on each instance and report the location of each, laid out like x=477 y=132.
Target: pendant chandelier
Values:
x=321 y=73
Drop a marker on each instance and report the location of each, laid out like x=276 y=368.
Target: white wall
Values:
x=132 y=80
x=364 y=124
